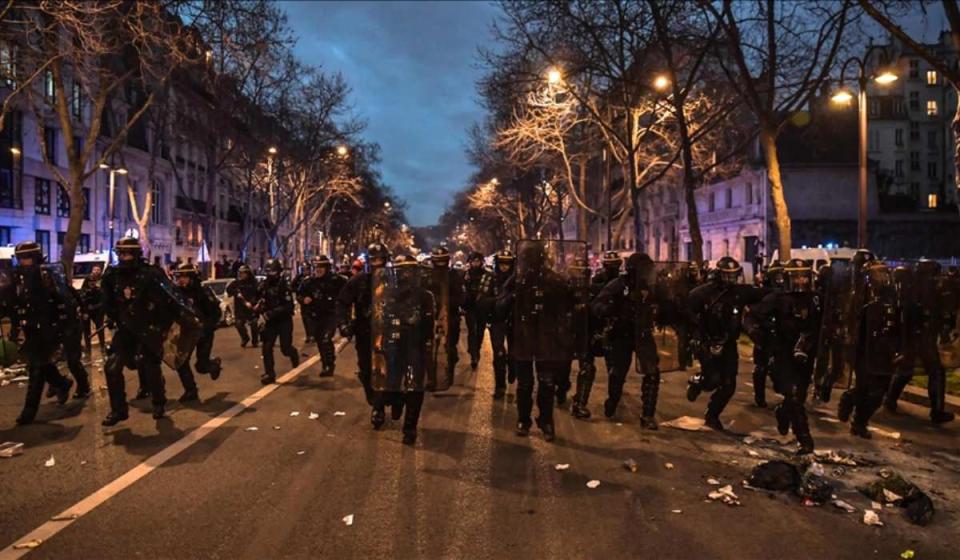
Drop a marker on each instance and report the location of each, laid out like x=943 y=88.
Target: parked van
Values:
x=817 y=256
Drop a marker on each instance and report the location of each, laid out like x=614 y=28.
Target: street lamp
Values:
x=114 y=171
x=661 y=82
x=554 y=76
x=843 y=96
x=342 y=151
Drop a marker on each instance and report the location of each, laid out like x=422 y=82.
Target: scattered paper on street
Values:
x=339 y=413
x=593 y=484
x=713 y=482
x=676 y=511
x=884 y=433
x=348 y=520
x=301 y=452
x=295 y=413
x=313 y=416
x=668 y=466
x=561 y=466
x=251 y=429
x=32 y=543
x=870 y=517
x=50 y=462
x=726 y=495
x=844 y=506
x=688 y=423
x=10 y=449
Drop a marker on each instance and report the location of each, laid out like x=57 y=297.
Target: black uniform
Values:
x=631 y=303
x=834 y=289
x=320 y=314
x=501 y=331
x=716 y=311
x=275 y=306
x=244 y=293
x=599 y=343
x=91 y=301
x=353 y=316
x=140 y=300
x=791 y=321
x=36 y=301
x=207 y=307
x=295 y=284
x=473 y=278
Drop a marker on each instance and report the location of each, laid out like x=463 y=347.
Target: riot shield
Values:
x=544 y=302
x=579 y=278
x=181 y=337
x=670 y=287
x=950 y=337
x=402 y=325
x=439 y=375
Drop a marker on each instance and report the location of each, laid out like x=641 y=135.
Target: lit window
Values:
x=931 y=200
x=49 y=89
x=931 y=108
x=931 y=77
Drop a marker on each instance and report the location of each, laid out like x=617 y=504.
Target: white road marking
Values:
x=63 y=519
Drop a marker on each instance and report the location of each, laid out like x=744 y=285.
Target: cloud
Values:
x=412 y=68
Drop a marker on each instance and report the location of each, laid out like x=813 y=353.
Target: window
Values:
x=914 y=130
x=874 y=107
x=50 y=142
x=914 y=100
x=77 y=146
x=899 y=168
x=83 y=244
x=156 y=211
x=711 y=202
x=931 y=200
x=6 y=235
x=748 y=192
x=729 y=198
x=43 y=238
x=63 y=202
x=931 y=108
x=932 y=140
x=76 y=101
x=178 y=232
x=873 y=140
x=914 y=161
x=931 y=169
x=914 y=68
x=914 y=188
x=41 y=202
x=898 y=107
x=48 y=87
x=931 y=77
x=86 y=203
x=61 y=236
x=898 y=137
x=8 y=63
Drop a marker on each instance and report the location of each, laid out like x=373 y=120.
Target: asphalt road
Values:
x=469 y=489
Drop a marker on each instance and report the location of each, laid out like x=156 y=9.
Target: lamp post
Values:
x=844 y=96
x=110 y=222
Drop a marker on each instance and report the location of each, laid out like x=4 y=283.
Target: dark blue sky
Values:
x=413 y=68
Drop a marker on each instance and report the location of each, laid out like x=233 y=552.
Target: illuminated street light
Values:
x=121 y=171
x=661 y=82
x=886 y=77
x=842 y=96
x=494 y=181
x=554 y=76
x=272 y=151
x=15 y=151
x=342 y=151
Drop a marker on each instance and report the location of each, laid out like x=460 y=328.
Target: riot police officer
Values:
x=448 y=286
x=791 y=318
x=880 y=348
x=302 y=273
x=140 y=301
x=317 y=296
x=501 y=332
x=600 y=329
x=353 y=317
x=773 y=281
x=275 y=307
x=244 y=293
x=716 y=310
x=925 y=313
x=630 y=300
x=833 y=283
x=207 y=307
x=36 y=300
x=476 y=324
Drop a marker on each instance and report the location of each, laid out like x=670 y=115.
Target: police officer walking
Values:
x=35 y=300
x=205 y=303
x=476 y=323
x=140 y=301
x=716 y=311
x=791 y=317
x=630 y=301
x=318 y=296
x=773 y=281
x=244 y=293
x=448 y=287
x=499 y=319
x=92 y=309
x=275 y=307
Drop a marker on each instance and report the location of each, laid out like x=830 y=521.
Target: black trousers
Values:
x=322 y=330
x=719 y=374
x=830 y=362
x=792 y=380
x=361 y=341
x=281 y=328
x=125 y=350
x=501 y=338
x=761 y=371
x=245 y=324
x=39 y=373
x=620 y=364
x=546 y=374
x=412 y=406
x=928 y=353
x=97 y=319
x=73 y=354
x=476 y=326
x=867 y=394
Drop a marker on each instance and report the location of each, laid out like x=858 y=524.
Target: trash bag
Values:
x=815 y=488
x=775 y=475
x=919 y=508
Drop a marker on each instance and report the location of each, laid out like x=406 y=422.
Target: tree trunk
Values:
x=583 y=228
x=768 y=141
x=690 y=185
x=75 y=223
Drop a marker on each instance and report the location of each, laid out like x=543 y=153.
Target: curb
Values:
x=918 y=396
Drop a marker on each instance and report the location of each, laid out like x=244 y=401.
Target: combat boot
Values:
x=649 y=423
x=114 y=418
x=377 y=418
x=190 y=395
x=713 y=422
x=694 y=387
x=845 y=406
x=860 y=430
x=396 y=408
x=804 y=444
x=549 y=432
x=523 y=429
x=27 y=416
x=609 y=408
x=63 y=392
x=409 y=437
x=783 y=419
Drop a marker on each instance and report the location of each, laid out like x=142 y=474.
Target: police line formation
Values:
x=544 y=312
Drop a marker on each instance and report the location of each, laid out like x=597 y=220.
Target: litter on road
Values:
x=593 y=484
x=688 y=423
x=32 y=543
x=295 y=413
x=10 y=449
x=561 y=466
x=313 y=416
x=348 y=520
x=725 y=494
x=631 y=465
x=50 y=462
x=849 y=508
x=870 y=517
x=251 y=429
x=339 y=413
x=668 y=466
